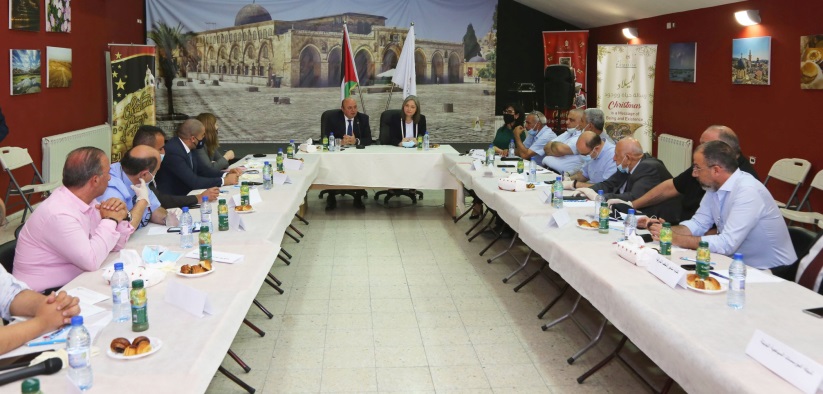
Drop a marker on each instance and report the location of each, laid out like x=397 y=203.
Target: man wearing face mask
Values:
x=561 y=152
x=180 y=173
x=637 y=173
x=598 y=161
x=128 y=183
x=154 y=137
x=538 y=136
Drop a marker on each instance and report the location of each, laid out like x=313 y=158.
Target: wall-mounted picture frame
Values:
x=58 y=72
x=683 y=62
x=25 y=71
x=811 y=62
x=751 y=61
x=58 y=16
x=24 y=15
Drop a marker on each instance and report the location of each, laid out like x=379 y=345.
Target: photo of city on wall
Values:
x=751 y=61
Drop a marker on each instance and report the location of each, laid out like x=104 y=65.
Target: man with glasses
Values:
x=538 y=136
x=597 y=155
x=747 y=218
x=561 y=153
x=180 y=173
x=128 y=182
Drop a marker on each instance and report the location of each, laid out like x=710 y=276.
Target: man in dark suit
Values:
x=354 y=128
x=637 y=173
x=180 y=173
x=350 y=125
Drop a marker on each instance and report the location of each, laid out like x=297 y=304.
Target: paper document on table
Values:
x=89 y=310
x=578 y=204
x=220 y=257
x=788 y=363
x=754 y=275
x=87 y=296
x=158 y=230
x=543 y=170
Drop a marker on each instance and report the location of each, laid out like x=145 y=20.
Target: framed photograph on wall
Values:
x=751 y=61
x=58 y=73
x=811 y=61
x=24 y=15
x=683 y=62
x=25 y=71
x=58 y=16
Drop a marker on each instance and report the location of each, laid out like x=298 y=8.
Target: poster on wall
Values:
x=25 y=71
x=683 y=62
x=568 y=48
x=241 y=54
x=811 y=59
x=24 y=15
x=58 y=72
x=625 y=90
x=131 y=93
x=58 y=16
x=751 y=61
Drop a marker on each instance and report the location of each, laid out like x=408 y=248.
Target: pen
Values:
x=51 y=342
x=694 y=261
x=719 y=276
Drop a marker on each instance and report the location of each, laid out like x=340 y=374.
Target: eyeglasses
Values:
x=146 y=217
x=696 y=168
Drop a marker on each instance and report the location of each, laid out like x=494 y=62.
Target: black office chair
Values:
x=7 y=254
x=384 y=140
x=802 y=241
x=335 y=192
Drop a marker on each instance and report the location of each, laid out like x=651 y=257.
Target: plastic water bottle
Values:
x=78 y=346
x=121 y=309
x=186 y=238
x=512 y=148
x=736 y=297
x=279 y=160
x=490 y=156
x=629 y=224
x=267 y=176
x=331 y=142
x=557 y=193
x=205 y=213
x=325 y=142
x=426 y=143
x=290 y=150
x=597 y=200
x=533 y=170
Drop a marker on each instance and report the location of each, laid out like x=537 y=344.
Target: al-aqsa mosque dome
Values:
x=251 y=13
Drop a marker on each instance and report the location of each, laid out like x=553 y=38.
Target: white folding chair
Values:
x=791 y=171
x=802 y=216
x=12 y=158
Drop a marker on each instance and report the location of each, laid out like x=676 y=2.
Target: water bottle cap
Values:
x=631 y=211
x=118 y=266
x=221 y=201
x=738 y=256
x=600 y=192
x=77 y=320
x=185 y=209
x=511 y=140
x=137 y=284
x=559 y=179
x=30 y=385
x=291 y=141
x=667 y=224
x=427 y=133
x=266 y=163
x=279 y=150
x=205 y=198
x=703 y=244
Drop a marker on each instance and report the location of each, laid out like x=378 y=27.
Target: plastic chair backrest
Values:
x=13 y=158
x=793 y=171
x=385 y=117
x=817 y=181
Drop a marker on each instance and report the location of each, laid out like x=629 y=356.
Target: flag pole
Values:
x=362 y=103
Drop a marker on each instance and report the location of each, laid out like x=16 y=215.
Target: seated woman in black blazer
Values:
x=408 y=125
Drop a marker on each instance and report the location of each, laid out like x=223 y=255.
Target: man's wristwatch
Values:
x=128 y=217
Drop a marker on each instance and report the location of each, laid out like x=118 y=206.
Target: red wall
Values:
x=95 y=23
x=773 y=122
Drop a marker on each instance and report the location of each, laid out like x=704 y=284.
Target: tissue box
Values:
x=511 y=184
x=308 y=148
x=638 y=255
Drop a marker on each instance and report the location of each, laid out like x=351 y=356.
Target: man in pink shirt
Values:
x=71 y=232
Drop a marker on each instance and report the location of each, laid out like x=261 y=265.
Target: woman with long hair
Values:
x=210 y=155
x=409 y=124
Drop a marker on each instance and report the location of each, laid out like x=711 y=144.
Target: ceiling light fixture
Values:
x=630 y=32
x=748 y=17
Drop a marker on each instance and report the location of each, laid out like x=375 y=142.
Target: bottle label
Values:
x=78 y=358
x=119 y=296
x=737 y=285
x=223 y=222
x=604 y=218
x=205 y=253
x=665 y=248
x=139 y=314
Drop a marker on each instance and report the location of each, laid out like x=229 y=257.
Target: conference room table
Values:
x=694 y=337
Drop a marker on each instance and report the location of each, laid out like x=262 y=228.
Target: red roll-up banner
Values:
x=568 y=48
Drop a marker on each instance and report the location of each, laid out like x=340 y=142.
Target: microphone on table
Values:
x=47 y=367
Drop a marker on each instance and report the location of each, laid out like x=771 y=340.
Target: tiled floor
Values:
x=396 y=300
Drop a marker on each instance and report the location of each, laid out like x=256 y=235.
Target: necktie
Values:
x=349 y=129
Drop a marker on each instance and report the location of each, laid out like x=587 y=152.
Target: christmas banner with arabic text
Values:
x=131 y=96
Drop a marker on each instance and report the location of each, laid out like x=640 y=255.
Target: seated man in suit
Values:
x=71 y=232
x=180 y=173
x=637 y=173
x=46 y=313
x=747 y=218
x=350 y=125
x=129 y=180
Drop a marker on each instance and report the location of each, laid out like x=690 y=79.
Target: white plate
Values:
x=244 y=212
x=586 y=228
x=156 y=344
x=723 y=288
x=195 y=275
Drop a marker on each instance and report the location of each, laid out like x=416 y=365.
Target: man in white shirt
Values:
x=538 y=136
x=561 y=153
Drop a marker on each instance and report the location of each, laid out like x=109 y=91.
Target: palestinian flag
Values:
x=348 y=72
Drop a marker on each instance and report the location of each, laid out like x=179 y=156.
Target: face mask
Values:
x=508 y=118
x=200 y=144
x=586 y=158
x=533 y=132
x=621 y=168
x=162 y=155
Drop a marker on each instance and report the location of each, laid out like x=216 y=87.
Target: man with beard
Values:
x=747 y=218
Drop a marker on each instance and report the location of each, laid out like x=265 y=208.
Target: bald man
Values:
x=180 y=173
x=685 y=184
x=349 y=124
x=128 y=183
x=637 y=173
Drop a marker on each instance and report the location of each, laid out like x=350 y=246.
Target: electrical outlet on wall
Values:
x=752 y=159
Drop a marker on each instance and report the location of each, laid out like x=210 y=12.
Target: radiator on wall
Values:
x=675 y=152
x=57 y=147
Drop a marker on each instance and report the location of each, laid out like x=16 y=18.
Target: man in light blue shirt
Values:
x=598 y=156
x=561 y=154
x=538 y=136
x=747 y=218
x=128 y=183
